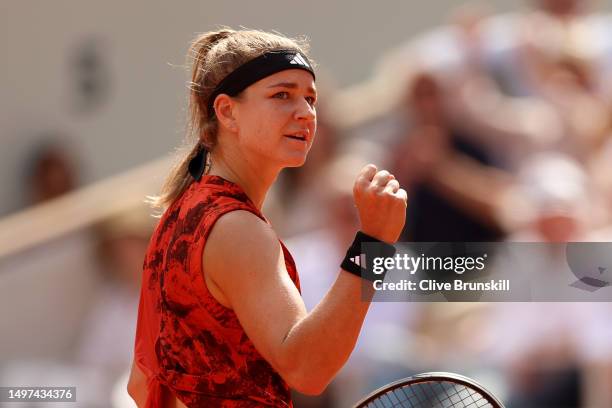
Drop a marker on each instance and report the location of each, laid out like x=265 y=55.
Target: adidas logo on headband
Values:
x=298 y=59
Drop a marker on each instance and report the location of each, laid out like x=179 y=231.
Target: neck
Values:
x=255 y=180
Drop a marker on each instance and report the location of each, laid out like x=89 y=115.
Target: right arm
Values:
x=245 y=268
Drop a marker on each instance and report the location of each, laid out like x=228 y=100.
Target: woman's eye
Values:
x=311 y=100
x=281 y=95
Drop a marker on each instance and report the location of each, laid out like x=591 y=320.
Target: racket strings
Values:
x=431 y=395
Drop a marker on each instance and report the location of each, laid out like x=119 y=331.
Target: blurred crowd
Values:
x=499 y=128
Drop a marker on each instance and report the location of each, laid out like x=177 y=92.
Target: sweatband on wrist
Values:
x=357 y=263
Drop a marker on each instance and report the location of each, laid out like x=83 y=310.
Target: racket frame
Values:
x=432 y=377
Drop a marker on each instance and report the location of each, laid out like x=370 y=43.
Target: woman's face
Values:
x=276 y=118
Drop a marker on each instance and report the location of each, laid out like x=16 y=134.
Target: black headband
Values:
x=256 y=69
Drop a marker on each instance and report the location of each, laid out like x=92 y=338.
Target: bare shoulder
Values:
x=241 y=249
x=238 y=232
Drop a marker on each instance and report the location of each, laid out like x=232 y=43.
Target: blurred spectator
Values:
x=567 y=83
x=443 y=172
x=107 y=336
x=552 y=30
x=557 y=187
x=52 y=171
x=532 y=81
x=557 y=199
x=600 y=173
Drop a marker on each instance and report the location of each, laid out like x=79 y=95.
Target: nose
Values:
x=305 y=111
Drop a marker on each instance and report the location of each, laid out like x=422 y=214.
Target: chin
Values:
x=297 y=161
x=291 y=158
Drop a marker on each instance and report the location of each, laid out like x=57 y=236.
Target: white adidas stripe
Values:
x=299 y=60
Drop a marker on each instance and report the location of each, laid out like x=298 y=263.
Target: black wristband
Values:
x=356 y=262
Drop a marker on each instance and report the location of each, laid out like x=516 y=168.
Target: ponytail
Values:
x=180 y=176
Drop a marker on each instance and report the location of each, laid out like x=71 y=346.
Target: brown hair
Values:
x=214 y=55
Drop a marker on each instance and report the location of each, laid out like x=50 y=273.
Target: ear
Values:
x=224 y=108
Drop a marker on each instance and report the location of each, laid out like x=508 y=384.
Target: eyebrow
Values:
x=291 y=85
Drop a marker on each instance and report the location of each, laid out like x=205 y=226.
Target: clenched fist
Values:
x=381 y=203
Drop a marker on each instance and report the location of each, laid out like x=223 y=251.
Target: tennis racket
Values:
x=431 y=390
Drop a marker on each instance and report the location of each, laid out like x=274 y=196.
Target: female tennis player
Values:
x=221 y=321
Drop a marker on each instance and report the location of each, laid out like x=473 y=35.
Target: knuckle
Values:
x=372 y=188
x=386 y=195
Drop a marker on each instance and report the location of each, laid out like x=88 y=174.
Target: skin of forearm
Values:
x=320 y=343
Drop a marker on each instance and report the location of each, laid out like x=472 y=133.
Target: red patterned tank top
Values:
x=186 y=341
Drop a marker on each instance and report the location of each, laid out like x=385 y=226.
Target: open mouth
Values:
x=296 y=137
